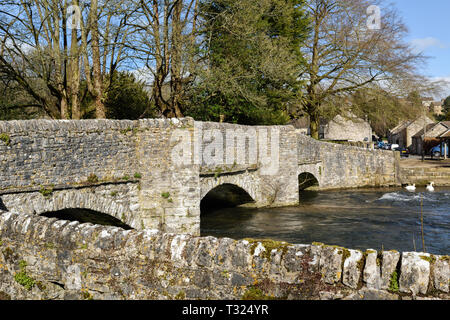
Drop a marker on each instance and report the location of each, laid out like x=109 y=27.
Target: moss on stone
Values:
x=5 y=138
x=4 y=296
x=254 y=293
x=379 y=258
x=8 y=253
x=268 y=245
x=217 y=172
x=165 y=195
x=92 y=178
x=41 y=286
x=86 y=294
x=180 y=296
x=393 y=284
x=345 y=254
x=50 y=245
x=125 y=131
x=23 y=278
x=137 y=175
x=431 y=259
x=46 y=192
x=360 y=264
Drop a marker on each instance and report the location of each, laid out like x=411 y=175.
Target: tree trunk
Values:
x=175 y=72
x=74 y=73
x=64 y=106
x=314 y=125
x=100 y=111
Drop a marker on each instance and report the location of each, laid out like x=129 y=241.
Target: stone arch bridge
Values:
x=154 y=173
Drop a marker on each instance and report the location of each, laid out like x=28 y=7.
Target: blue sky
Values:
x=428 y=22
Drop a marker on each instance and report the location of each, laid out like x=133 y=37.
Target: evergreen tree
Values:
x=446 y=108
x=252 y=49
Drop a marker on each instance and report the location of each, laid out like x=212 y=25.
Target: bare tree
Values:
x=164 y=41
x=344 y=54
x=42 y=50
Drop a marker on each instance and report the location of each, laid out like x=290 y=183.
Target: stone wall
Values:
x=423 y=176
x=342 y=166
x=347 y=127
x=42 y=258
x=45 y=152
x=52 y=155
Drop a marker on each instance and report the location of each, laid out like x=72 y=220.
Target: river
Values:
x=380 y=219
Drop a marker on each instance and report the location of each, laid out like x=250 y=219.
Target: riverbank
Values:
x=421 y=173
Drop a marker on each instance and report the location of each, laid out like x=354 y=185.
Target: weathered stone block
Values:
x=441 y=273
x=352 y=269
x=372 y=270
x=388 y=266
x=314 y=254
x=371 y=294
x=415 y=273
x=293 y=258
x=331 y=264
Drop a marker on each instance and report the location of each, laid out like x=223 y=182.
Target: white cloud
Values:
x=444 y=84
x=421 y=44
x=143 y=74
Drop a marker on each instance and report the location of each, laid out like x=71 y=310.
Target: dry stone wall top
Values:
x=49 y=258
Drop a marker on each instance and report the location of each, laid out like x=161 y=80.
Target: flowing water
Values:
x=359 y=219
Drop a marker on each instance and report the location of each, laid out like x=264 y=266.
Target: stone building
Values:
x=427 y=101
x=346 y=127
x=436 y=108
x=404 y=132
x=302 y=125
x=433 y=132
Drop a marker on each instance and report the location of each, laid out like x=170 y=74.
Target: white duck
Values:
x=411 y=188
x=430 y=187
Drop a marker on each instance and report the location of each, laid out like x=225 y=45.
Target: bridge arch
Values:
x=249 y=181
x=306 y=180
x=36 y=203
x=311 y=173
x=225 y=195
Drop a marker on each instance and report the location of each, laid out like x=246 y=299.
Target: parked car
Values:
x=404 y=152
x=380 y=145
x=436 y=151
x=394 y=146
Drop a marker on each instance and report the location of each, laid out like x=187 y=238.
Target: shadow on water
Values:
x=86 y=215
x=360 y=219
x=226 y=197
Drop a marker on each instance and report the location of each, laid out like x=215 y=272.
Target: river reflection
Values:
x=359 y=219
